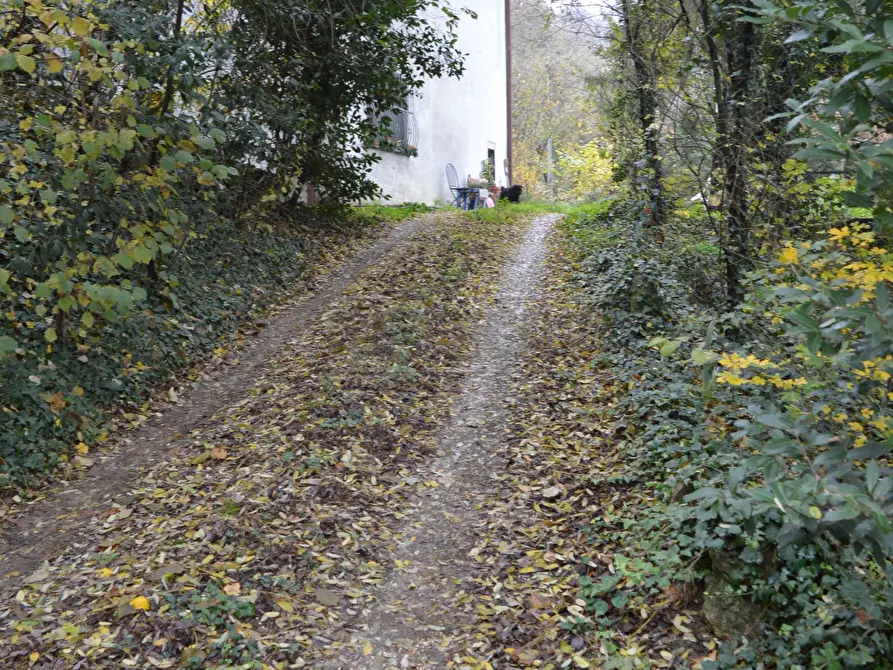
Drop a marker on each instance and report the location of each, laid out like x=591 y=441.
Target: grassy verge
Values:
x=562 y=505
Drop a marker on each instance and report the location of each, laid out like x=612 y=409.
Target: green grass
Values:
x=506 y=211
x=399 y=212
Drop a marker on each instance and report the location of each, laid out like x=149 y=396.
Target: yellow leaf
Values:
x=285 y=605
x=82 y=448
x=33 y=656
x=140 y=603
x=367 y=649
x=106 y=572
x=27 y=63
x=81 y=26
x=54 y=65
x=580 y=662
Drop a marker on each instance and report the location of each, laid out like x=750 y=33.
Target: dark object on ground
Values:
x=511 y=193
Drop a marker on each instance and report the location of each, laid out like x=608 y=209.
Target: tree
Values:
x=130 y=129
x=552 y=98
x=634 y=20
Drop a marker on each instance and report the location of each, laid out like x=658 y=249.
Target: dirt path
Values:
x=424 y=604
x=262 y=541
x=40 y=532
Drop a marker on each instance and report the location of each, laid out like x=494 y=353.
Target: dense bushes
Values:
x=764 y=434
x=750 y=344
x=150 y=149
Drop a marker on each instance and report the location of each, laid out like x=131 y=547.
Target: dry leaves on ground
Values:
x=291 y=494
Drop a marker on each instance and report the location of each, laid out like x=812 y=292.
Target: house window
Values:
x=398 y=133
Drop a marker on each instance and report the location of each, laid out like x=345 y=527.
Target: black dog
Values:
x=511 y=193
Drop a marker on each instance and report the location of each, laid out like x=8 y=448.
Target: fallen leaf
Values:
x=37 y=576
x=327 y=598
x=56 y=402
x=285 y=605
x=540 y=602
x=201 y=458
x=232 y=589
x=863 y=616
x=140 y=603
x=677 y=622
x=552 y=492
x=171 y=569
x=219 y=453
x=698 y=662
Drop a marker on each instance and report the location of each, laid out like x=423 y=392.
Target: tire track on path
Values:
x=423 y=603
x=39 y=532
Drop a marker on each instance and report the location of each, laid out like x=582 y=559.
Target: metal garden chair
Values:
x=462 y=194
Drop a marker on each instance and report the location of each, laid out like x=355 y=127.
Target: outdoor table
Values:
x=465 y=199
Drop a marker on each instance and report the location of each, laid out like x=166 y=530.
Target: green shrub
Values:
x=764 y=435
x=152 y=156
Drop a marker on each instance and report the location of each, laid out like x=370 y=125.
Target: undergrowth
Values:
x=761 y=435
x=56 y=404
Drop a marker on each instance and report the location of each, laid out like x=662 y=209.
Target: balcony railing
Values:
x=402 y=134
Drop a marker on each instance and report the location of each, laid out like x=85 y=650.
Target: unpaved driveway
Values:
x=54 y=522
x=425 y=600
x=272 y=535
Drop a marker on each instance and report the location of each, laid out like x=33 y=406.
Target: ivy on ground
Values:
x=753 y=446
x=56 y=406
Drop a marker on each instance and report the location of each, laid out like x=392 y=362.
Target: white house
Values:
x=459 y=121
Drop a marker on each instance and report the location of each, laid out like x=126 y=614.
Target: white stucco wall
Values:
x=458 y=119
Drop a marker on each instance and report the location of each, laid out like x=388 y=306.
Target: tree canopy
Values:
x=132 y=130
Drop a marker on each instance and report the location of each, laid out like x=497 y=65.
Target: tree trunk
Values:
x=720 y=100
x=740 y=52
x=168 y=97
x=646 y=93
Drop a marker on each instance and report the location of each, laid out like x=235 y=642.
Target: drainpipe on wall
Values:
x=508 y=87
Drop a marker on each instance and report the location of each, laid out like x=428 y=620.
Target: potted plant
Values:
x=488 y=172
